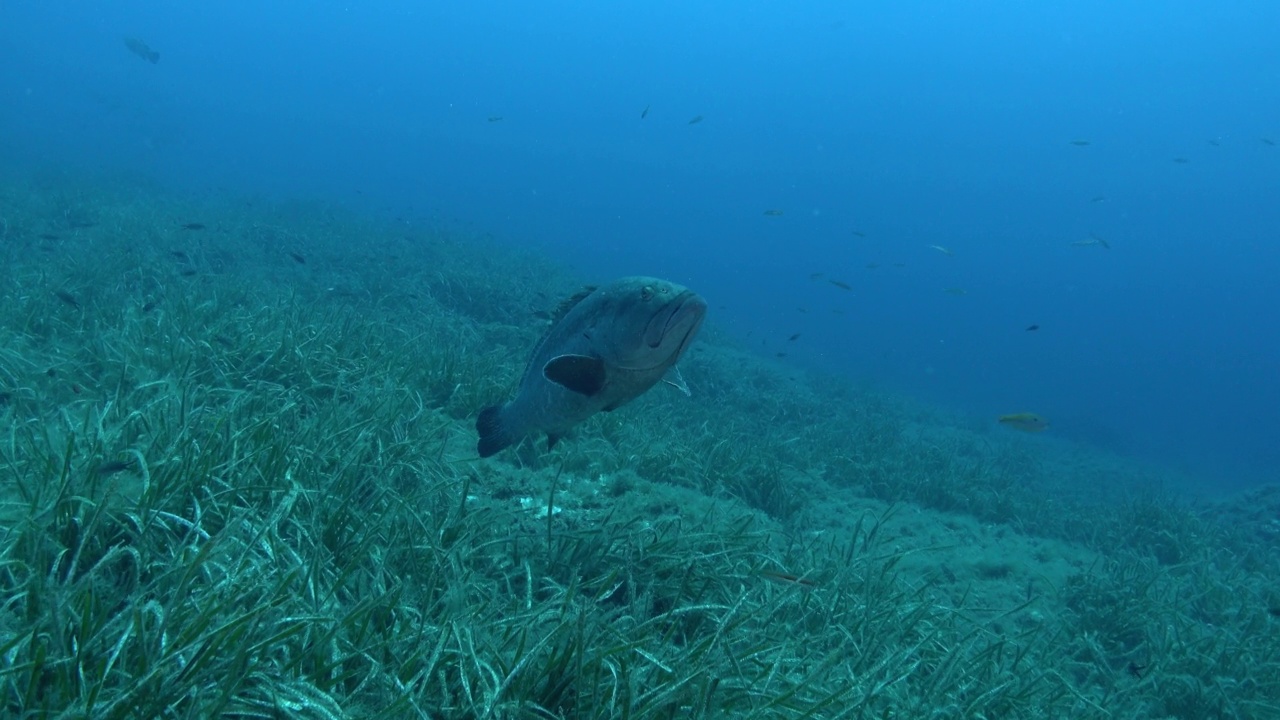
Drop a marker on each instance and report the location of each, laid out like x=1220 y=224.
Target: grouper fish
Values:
x=605 y=347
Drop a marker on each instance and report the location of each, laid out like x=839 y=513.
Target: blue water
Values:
x=912 y=123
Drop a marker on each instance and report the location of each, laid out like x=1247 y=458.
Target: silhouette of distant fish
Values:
x=696 y=119
x=1026 y=422
x=142 y=50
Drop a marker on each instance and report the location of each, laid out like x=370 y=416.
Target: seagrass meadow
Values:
x=238 y=479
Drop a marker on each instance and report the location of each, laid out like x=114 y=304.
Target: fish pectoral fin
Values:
x=582 y=374
x=675 y=379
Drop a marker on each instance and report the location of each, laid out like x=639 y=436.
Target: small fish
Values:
x=1215 y=143
x=1268 y=141
x=815 y=276
x=48 y=236
x=81 y=224
x=780 y=354
x=495 y=118
x=1032 y=328
x=298 y=258
x=787 y=578
x=193 y=226
x=872 y=266
x=5 y=397
x=1026 y=422
x=1079 y=143
x=1181 y=160
x=841 y=285
x=955 y=291
x=794 y=337
x=67 y=298
x=859 y=233
x=1098 y=198
x=1092 y=241
x=1137 y=670
x=941 y=249
x=142 y=50
x=607 y=347
x=773 y=212
x=899 y=265
x=696 y=119
x=187 y=272
x=180 y=256
x=644 y=113
x=112 y=467
x=802 y=310
x=148 y=306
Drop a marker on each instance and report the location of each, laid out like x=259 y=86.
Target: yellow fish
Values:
x=1026 y=422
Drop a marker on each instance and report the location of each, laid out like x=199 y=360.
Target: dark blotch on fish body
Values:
x=606 y=347
x=142 y=50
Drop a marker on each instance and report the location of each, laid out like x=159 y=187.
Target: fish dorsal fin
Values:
x=582 y=374
x=570 y=303
x=555 y=316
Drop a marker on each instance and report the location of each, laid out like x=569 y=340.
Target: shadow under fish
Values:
x=606 y=346
x=142 y=50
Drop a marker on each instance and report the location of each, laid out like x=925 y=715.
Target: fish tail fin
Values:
x=493 y=430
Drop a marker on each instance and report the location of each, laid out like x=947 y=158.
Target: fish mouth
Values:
x=679 y=321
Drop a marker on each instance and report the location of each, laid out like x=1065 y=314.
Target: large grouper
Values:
x=605 y=347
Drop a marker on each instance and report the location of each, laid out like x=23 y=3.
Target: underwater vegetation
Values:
x=238 y=478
